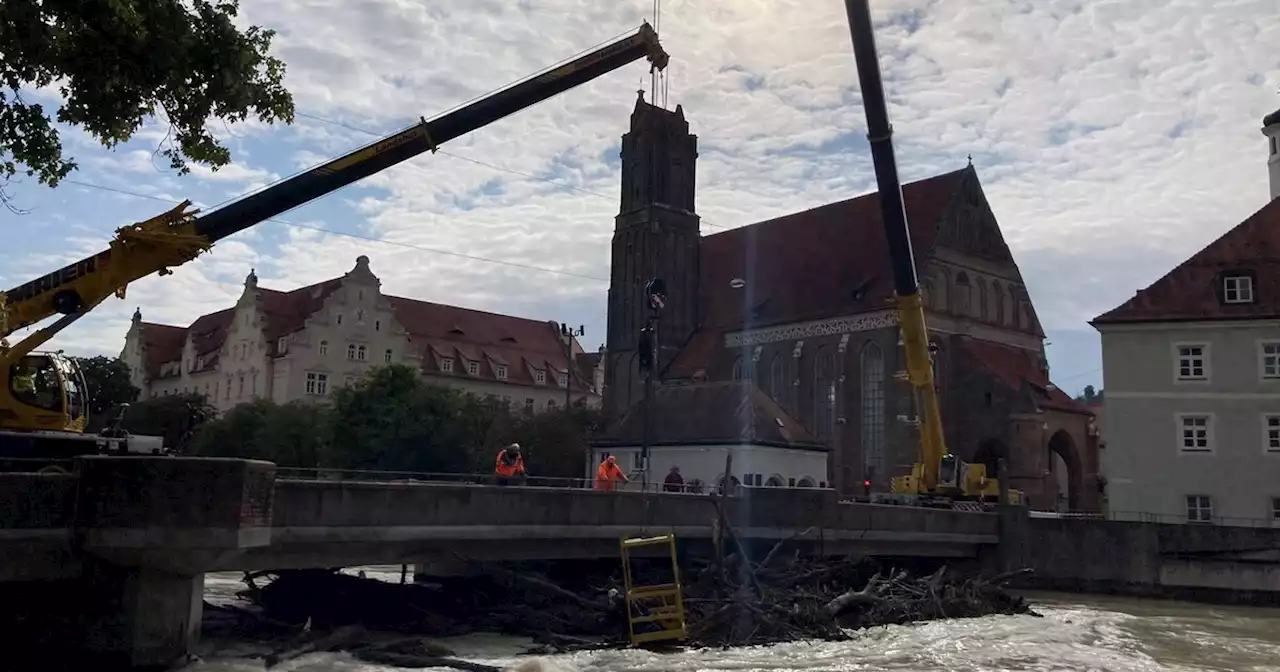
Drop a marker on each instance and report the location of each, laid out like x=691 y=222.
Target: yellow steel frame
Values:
x=663 y=602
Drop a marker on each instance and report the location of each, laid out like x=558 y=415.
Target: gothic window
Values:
x=926 y=293
x=963 y=294
x=737 y=369
x=777 y=379
x=997 y=302
x=873 y=443
x=980 y=307
x=824 y=392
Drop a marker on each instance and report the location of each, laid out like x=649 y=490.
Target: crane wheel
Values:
x=52 y=469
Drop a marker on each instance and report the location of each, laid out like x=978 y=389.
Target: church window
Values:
x=777 y=379
x=873 y=434
x=824 y=392
x=997 y=299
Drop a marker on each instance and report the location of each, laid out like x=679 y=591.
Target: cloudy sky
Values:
x=1113 y=137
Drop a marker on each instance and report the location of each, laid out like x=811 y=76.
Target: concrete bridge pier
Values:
x=150 y=528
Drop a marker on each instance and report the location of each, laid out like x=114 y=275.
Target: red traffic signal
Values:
x=866 y=484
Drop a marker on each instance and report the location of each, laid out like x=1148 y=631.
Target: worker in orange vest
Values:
x=510 y=465
x=608 y=475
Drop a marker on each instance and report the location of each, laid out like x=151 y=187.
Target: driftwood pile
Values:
x=728 y=601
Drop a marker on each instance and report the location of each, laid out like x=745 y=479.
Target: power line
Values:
x=372 y=239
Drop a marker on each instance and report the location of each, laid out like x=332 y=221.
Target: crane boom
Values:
x=42 y=395
x=910 y=307
x=177 y=236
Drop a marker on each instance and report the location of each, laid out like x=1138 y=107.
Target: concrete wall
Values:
x=1204 y=562
x=1146 y=468
x=792 y=467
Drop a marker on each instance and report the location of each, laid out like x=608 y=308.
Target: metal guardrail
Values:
x=1165 y=518
x=560 y=482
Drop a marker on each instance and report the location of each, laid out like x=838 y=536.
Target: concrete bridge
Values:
x=144 y=530
x=124 y=542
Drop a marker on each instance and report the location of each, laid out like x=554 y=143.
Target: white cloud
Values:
x=1113 y=139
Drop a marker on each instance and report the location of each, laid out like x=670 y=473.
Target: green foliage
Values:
x=108 y=381
x=392 y=420
x=117 y=62
x=1090 y=396
x=177 y=418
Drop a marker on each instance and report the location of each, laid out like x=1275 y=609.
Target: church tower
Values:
x=1271 y=129
x=655 y=235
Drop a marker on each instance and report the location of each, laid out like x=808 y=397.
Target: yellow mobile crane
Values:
x=43 y=395
x=939 y=477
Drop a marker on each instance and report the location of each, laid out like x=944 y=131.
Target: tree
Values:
x=1090 y=396
x=117 y=63
x=109 y=384
x=177 y=418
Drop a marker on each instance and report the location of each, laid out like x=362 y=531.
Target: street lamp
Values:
x=656 y=299
x=569 y=333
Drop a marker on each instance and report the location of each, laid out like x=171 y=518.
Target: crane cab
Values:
x=43 y=391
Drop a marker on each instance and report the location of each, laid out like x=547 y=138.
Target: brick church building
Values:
x=794 y=315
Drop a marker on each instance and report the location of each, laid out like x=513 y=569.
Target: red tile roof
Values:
x=722 y=412
x=809 y=265
x=828 y=261
x=435 y=329
x=1019 y=370
x=1191 y=291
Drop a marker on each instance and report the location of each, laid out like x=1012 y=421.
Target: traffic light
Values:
x=866 y=486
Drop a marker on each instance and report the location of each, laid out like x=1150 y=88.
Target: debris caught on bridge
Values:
x=570 y=606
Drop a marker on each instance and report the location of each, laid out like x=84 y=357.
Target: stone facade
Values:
x=286 y=346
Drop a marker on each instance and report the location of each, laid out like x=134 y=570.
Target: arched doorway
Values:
x=775 y=481
x=1065 y=471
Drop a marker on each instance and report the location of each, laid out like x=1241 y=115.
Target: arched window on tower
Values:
x=997 y=299
x=872 y=366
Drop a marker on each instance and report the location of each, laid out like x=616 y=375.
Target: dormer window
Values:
x=446 y=365
x=473 y=367
x=1237 y=289
x=540 y=376
x=282 y=346
x=501 y=372
x=199 y=362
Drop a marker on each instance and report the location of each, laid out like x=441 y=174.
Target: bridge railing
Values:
x=385 y=476
x=1166 y=518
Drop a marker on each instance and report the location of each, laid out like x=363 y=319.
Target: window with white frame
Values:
x=528 y=404
x=501 y=372
x=446 y=364
x=282 y=346
x=360 y=353
x=473 y=367
x=351 y=351
x=317 y=383
x=1271 y=432
x=1237 y=289
x=1269 y=359
x=1193 y=361
x=1195 y=433
x=1275 y=509
x=540 y=376
x=562 y=379
x=324 y=347
x=387 y=355
x=1199 y=509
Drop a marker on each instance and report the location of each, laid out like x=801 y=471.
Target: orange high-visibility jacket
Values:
x=608 y=475
x=505 y=468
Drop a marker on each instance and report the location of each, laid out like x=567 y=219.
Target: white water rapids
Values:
x=1077 y=634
